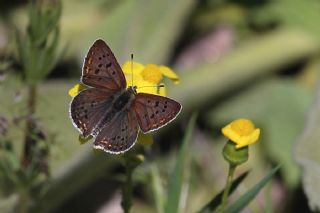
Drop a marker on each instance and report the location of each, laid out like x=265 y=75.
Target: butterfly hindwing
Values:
x=88 y=107
x=154 y=111
x=120 y=134
x=101 y=69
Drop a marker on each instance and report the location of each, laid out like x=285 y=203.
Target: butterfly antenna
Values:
x=158 y=86
x=131 y=69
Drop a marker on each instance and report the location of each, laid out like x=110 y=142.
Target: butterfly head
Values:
x=132 y=89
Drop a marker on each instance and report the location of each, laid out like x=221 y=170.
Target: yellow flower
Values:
x=76 y=89
x=242 y=132
x=148 y=77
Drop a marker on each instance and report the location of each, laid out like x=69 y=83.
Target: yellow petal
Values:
x=76 y=89
x=150 y=90
x=162 y=91
x=146 y=87
x=137 y=80
x=250 y=139
x=132 y=67
x=152 y=73
x=166 y=71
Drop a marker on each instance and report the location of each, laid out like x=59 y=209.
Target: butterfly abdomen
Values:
x=120 y=103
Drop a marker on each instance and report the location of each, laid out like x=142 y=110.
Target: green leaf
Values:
x=287 y=13
x=152 y=42
x=177 y=176
x=208 y=81
x=36 y=56
x=51 y=56
x=245 y=199
x=157 y=188
x=131 y=28
x=306 y=152
x=215 y=202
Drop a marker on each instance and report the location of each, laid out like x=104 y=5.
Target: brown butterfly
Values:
x=111 y=112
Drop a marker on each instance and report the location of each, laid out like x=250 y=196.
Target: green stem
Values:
x=127 y=188
x=232 y=168
x=30 y=125
x=22 y=206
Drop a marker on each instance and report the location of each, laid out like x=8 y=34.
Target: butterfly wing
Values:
x=119 y=135
x=88 y=107
x=101 y=69
x=154 y=111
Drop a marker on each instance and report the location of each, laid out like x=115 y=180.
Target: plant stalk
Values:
x=22 y=206
x=127 y=188
x=232 y=168
x=29 y=140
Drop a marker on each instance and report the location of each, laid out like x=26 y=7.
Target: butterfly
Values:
x=110 y=111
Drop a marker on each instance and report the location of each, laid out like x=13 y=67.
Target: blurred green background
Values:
x=236 y=59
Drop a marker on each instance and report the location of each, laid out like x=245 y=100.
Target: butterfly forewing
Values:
x=119 y=135
x=101 y=69
x=154 y=111
x=88 y=107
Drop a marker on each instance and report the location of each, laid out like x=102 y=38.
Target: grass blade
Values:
x=245 y=199
x=157 y=188
x=176 y=180
x=215 y=202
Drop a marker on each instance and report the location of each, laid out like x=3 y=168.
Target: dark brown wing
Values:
x=154 y=111
x=88 y=107
x=119 y=135
x=101 y=69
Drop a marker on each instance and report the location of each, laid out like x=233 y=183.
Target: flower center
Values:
x=243 y=127
x=152 y=73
